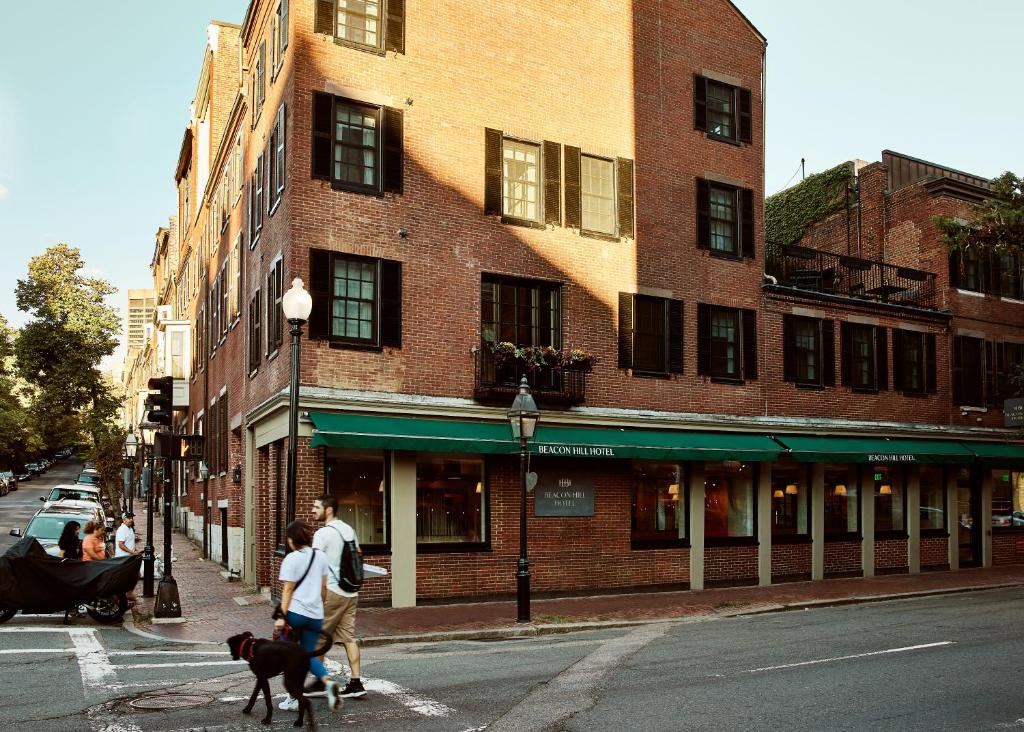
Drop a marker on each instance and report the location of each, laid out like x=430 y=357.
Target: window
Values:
x=282 y=32
x=1007 y=490
x=729 y=501
x=650 y=334
x=359 y=482
x=275 y=291
x=842 y=512
x=234 y=280
x=1000 y=274
x=808 y=351
x=791 y=505
x=520 y=180
x=968 y=371
x=933 y=499
x=913 y=363
x=726 y=343
x=450 y=499
x=185 y=208
x=256 y=203
x=273 y=47
x=223 y=433
x=177 y=354
x=212 y=441
x=725 y=219
x=358 y=147
x=521 y=312
x=597 y=191
x=276 y=151
x=659 y=508
x=215 y=312
x=1009 y=364
x=255 y=312
x=356 y=300
x=260 y=91
x=376 y=25
x=864 y=362
x=721 y=110
x=238 y=184
x=890 y=500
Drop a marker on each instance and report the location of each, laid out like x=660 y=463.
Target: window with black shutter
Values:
x=277 y=161
x=255 y=313
x=520 y=311
x=862 y=357
x=256 y=203
x=721 y=110
x=969 y=371
x=214 y=314
x=726 y=343
x=356 y=146
x=725 y=219
x=282 y=31
x=808 y=351
x=369 y=24
x=357 y=301
x=275 y=316
x=913 y=362
x=1010 y=369
x=650 y=334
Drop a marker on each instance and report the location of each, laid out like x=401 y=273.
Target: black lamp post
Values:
x=523 y=418
x=131 y=446
x=149 y=552
x=296 y=305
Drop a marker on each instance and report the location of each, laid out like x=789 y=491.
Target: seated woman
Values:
x=69 y=544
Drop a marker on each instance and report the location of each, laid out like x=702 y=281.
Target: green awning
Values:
x=1006 y=454
x=807 y=449
x=495 y=438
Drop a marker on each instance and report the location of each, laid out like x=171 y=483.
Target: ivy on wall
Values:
x=789 y=213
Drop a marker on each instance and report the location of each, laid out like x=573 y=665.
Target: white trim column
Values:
x=764 y=524
x=818 y=521
x=867 y=521
x=249 y=512
x=403 y=529
x=952 y=518
x=986 y=517
x=914 y=519
x=696 y=526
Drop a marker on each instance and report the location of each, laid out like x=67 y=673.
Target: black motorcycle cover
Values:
x=32 y=580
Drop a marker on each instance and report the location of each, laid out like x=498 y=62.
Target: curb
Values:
x=532 y=630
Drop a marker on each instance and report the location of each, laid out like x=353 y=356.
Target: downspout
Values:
x=206 y=401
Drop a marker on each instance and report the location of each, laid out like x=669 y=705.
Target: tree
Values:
x=18 y=436
x=998 y=225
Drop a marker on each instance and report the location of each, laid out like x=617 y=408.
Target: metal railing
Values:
x=838 y=274
x=551 y=387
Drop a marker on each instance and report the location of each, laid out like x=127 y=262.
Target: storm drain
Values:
x=159 y=702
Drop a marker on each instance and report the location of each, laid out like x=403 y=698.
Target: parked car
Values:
x=46 y=526
x=1002 y=519
x=8 y=477
x=72 y=493
x=89 y=477
x=23 y=474
x=5 y=487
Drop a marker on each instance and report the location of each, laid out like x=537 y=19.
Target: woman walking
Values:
x=304 y=586
x=92 y=545
x=69 y=544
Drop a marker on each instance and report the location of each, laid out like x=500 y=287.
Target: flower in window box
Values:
x=576 y=359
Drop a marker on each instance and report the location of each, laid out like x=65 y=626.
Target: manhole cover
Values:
x=170 y=701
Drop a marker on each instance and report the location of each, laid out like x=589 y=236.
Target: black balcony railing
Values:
x=550 y=387
x=838 y=274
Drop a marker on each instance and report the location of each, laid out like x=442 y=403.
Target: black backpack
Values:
x=351 y=578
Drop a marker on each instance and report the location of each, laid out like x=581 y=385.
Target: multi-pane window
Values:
x=863 y=357
x=726 y=343
x=597 y=190
x=355 y=145
x=522 y=312
x=354 y=299
x=359 y=21
x=723 y=219
x=659 y=507
x=721 y=110
x=520 y=180
x=1000 y=274
x=215 y=313
x=864 y=362
x=177 y=354
x=807 y=345
x=913 y=361
x=275 y=316
x=259 y=82
x=255 y=323
x=373 y=24
x=808 y=355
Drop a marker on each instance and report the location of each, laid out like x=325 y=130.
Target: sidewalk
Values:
x=213 y=608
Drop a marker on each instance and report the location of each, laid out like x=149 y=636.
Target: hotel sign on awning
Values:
x=892 y=458
x=576 y=451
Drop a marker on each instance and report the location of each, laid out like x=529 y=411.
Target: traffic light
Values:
x=160 y=399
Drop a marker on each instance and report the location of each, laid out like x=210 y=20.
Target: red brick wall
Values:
x=934 y=552
x=1007 y=547
x=890 y=553
x=730 y=563
x=789 y=560
x=842 y=557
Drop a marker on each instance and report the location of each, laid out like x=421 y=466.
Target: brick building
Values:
x=588 y=216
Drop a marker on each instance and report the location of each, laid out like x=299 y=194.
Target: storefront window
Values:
x=356 y=480
x=1007 y=498
x=933 y=498
x=729 y=508
x=790 y=501
x=841 y=508
x=889 y=498
x=659 y=504
x=450 y=495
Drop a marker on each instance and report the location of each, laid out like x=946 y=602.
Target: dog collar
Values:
x=248 y=649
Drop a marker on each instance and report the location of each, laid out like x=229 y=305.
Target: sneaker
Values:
x=353 y=689
x=289 y=705
x=316 y=687
x=331 y=691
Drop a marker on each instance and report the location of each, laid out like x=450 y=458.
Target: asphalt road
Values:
x=17 y=507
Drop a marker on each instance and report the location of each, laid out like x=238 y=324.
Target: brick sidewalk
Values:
x=213 y=610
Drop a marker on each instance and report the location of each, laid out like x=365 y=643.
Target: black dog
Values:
x=268 y=658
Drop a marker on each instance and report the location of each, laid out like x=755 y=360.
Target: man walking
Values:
x=339 y=606
x=124 y=546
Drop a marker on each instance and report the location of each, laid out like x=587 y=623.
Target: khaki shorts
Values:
x=340 y=617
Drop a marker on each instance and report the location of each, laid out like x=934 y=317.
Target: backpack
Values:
x=351 y=578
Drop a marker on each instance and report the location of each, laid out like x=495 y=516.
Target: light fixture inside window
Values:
x=673 y=490
x=479 y=487
x=885 y=490
x=840 y=490
x=777 y=493
x=792 y=490
x=381 y=488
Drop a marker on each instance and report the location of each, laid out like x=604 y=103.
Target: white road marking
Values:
x=16 y=651
x=178 y=664
x=143 y=652
x=97 y=672
x=847 y=658
x=422 y=706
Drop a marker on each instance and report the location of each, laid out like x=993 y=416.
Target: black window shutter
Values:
x=625 y=330
x=492 y=172
x=552 y=183
x=828 y=353
x=845 y=354
x=573 y=203
x=897 y=359
x=395 y=36
x=881 y=359
x=675 y=336
x=322 y=126
x=958 y=371
x=930 y=385
x=746 y=128
x=991 y=378
x=749 y=343
x=700 y=103
x=393 y=144
x=703 y=339
x=954 y=268
x=996 y=277
x=703 y=214
x=788 y=348
x=1001 y=377
x=325 y=17
x=390 y=303
x=624 y=183
x=747 y=223
x=320 y=290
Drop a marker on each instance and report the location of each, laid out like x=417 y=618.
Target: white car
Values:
x=46 y=526
x=65 y=494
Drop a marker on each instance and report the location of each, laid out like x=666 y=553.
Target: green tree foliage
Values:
x=998 y=225
x=18 y=435
x=789 y=213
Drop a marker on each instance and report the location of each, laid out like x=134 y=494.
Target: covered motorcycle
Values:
x=35 y=582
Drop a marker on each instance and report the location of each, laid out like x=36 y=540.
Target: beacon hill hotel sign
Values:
x=564 y=494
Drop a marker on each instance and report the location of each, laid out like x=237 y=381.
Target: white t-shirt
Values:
x=126 y=534
x=327 y=540
x=306 y=598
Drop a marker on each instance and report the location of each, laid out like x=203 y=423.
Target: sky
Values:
x=93 y=108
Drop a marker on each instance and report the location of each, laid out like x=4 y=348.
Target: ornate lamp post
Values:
x=149 y=552
x=131 y=446
x=523 y=418
x=296 y=304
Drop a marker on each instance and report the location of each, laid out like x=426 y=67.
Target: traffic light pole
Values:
x=149 y=553
x=168 y=603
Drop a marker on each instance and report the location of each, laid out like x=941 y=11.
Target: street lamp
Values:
x=131 y=446
x=296 y=305
x=149 y=552
x=523 y=418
